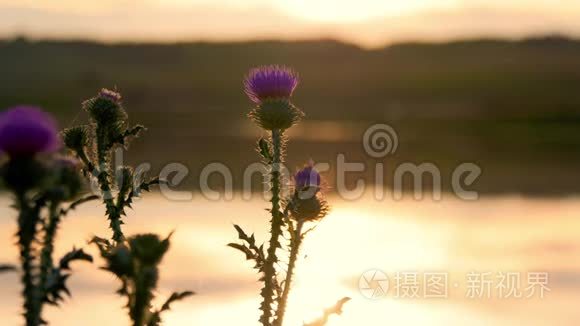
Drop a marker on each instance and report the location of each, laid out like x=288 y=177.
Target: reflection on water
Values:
x=496 y=234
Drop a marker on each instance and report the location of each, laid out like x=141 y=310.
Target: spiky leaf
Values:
x=264 y=150
x=155 y=318
x=74 y=254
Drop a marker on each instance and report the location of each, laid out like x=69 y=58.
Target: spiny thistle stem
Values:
x=27 y=221
x=294 y=250
x=104 y=183
x=46 y=262
x=145 y=283
x=38 y=181
x=277 y=223
x=82 y=155
x=136 y=263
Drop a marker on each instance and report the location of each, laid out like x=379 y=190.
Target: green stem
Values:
x=277 y=223
x=102 y=175
x=145 y=282
x=27 y=221
x=46 y=263
x=294 y=250
x=103 y=178
x=85 y=159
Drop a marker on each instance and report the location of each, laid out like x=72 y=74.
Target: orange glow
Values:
x=493 y=234
x=370 y=23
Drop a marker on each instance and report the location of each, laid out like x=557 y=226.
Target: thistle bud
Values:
x=106 y=108
x=76 y=138
x=308 y=204
x=119 y=261
x=309 y=208
x=66 y=180
x=148 y=249
x=276 y=114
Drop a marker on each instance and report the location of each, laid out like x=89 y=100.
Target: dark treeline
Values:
x=512 y=107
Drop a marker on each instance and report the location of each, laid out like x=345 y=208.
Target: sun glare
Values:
x=354 y=11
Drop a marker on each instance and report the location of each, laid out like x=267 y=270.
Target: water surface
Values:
x=494 y=234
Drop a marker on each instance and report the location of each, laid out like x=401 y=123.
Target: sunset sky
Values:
x=366 y=22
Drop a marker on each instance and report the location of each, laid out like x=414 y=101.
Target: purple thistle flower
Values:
x=307 y=177
x=27 y=130
x=270 y=82
x=110 y=95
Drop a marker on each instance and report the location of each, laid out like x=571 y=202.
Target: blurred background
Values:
x=490 y=82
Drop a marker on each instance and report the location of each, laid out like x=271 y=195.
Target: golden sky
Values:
x=365 y=22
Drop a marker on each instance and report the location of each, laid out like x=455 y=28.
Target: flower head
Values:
x=27 y=130
x=110 y=95
x=307 y=177
x=270 y=82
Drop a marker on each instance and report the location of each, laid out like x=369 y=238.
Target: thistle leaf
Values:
x=334 y=310
x=55 y=287
x=155 y=318
x=241 y=234
x=175 y=296
x=251 y=250
x=74 y=254
x=123 y=138
x=103 y=244
x=264 y=150
x=78 y=202
x=249 y=254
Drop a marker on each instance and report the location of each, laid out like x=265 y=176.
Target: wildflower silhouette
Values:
x=306 y=205
x=136 y=263
x=134 y=260
x=39 y=183
x=94 y=144
x=270 y=88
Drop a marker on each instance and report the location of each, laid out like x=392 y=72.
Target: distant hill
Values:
x=512 y=107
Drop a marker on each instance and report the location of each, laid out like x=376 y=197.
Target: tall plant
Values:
x=134 y=260
x=45 y=188
x=270 y=88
